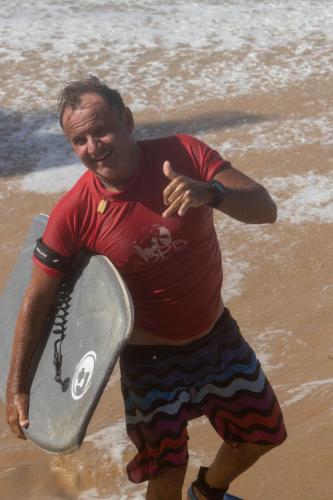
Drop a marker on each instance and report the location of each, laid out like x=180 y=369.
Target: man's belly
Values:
x=143 y=337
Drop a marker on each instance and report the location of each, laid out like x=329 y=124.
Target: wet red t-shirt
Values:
x=172 y=266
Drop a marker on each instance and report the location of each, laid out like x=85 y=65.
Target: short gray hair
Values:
x=70 y=95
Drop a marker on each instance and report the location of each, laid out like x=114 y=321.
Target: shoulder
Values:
x=66 y=219
x=207 y=161
x=74 y=199
x=193 y=145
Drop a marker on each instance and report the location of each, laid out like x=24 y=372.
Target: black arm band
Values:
x=51 y=258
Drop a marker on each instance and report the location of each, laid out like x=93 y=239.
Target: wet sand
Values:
x=278 y=278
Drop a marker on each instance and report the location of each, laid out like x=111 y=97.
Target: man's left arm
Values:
x=241 y=197
x=245 y=199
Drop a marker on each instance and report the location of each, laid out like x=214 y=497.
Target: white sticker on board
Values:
x=83 y=375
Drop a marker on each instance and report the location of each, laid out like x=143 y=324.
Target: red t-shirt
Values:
x=172 y=266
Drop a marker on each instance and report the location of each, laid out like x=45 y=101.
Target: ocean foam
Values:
x=93 y=494
x=111 y=442
x=217 y=49
x=303 y=198
x=52 y=179
x=278 y=134
x=234 y=272
x=149 y=51
x=264 y=346
x=306 y=389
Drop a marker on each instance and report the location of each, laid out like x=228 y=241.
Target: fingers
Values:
x=175 y=191
x=16 y=425
x=17 y=418
x=179 y=206
x=183 y=192
x=23 y=419
x=172 y=190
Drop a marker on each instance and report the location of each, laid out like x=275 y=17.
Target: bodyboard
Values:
x=89 y=325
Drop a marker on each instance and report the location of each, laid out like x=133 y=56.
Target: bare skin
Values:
x=230 y=462
x=246 y=200
x=36 y=305
x=168 y=485
x=101 y=136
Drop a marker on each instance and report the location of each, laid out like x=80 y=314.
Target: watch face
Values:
x=219 y=187
x=219 y=193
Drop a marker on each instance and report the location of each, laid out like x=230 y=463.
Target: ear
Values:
x=128 y=119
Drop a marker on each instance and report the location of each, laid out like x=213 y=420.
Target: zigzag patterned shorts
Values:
x=217 y=375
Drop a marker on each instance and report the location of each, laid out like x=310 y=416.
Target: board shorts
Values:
x=218 y=375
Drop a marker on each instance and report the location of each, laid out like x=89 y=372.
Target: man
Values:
x=147 y=205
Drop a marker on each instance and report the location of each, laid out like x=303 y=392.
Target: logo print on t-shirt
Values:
x=156 y=244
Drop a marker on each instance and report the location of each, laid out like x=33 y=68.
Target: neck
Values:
x=132 y=165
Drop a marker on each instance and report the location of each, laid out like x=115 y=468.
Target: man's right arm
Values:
x=34 y=311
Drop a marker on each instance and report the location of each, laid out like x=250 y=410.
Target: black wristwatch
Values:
x=219 y=192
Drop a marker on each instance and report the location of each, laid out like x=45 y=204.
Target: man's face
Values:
x=101 y=136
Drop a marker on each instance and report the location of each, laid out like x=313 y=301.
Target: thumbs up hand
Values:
x=169 y=171
x=183 y=192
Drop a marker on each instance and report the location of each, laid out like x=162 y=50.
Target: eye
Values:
x=79 y=141
x=100 y=132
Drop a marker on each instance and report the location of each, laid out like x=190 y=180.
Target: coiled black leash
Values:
x=60 y=320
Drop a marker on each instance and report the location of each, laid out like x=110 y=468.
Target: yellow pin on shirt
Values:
x=102 y=206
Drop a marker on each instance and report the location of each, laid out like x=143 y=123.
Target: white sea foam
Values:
x=234 y=270
x=280 y=134
x=264 y=346
x=306 y=389
x=93 y=494
x=160 y=57
x=111 y=442
x=52 y=179
x=303 y=198
x=120 y=40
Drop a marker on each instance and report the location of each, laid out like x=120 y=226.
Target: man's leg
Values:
x=167 y=485
x=156 y=404
x=241 y=406
x=230 y=462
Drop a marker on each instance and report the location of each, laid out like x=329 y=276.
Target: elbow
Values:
x=269 y=211
x=266 y=214
x=272 y=213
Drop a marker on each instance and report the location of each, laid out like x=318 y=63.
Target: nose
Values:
x=92 y=145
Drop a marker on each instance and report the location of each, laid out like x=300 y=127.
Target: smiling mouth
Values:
x=102 y=158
